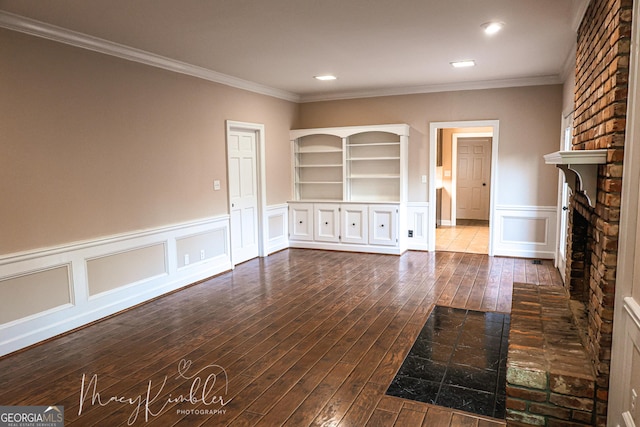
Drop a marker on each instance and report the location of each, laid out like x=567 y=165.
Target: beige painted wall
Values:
x=529 y=122
x=93 y=145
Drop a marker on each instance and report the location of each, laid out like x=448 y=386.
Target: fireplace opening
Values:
x=579 y=267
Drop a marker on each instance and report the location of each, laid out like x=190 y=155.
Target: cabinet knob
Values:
x=300 y=222
x=382 y=225
x=353 y=225
x=326 y=223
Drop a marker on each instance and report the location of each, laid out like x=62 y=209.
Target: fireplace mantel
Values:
x=580 y=168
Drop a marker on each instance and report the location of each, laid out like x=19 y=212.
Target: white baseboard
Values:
x=82 y=307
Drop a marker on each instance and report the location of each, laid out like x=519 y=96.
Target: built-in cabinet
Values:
x=350 y=188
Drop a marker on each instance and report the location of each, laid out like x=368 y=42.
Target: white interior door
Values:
x=473 y=178
x=243 y=195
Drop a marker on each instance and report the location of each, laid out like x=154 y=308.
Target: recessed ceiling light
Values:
x=325 y=77
x=463 y=64
x=492 y=27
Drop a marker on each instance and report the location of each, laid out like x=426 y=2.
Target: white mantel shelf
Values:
x=580 y=168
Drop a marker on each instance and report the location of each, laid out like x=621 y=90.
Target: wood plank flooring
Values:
x=300 y=338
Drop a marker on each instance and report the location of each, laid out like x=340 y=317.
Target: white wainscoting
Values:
x=525 y=231
x=418 y=222
x=165 y=271
x=277 y=228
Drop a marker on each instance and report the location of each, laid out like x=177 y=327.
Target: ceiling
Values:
x=373 y=46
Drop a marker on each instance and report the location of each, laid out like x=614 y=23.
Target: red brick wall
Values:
x=602 y=64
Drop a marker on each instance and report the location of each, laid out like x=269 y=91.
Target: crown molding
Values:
x=580 y=10
x=84 y=41
x=453 y=87
x=569 y=65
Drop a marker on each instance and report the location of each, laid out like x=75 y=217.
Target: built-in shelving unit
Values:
x=349 y=188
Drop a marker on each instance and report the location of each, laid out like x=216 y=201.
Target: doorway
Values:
x=246 y=192
x=462 y=176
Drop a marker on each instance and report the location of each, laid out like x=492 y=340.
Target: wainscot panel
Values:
x=57 y=289
x=525 y=231
x=277 y=228
x=417 y=225
x=50 y=289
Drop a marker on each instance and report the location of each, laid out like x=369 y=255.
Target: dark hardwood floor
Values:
x=300 y=338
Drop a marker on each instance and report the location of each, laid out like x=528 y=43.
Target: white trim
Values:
x=84 y=41
x=259 y=130
x=418 y=212
x=569 y=65
x=450 y=87
x=327 y=246
x=278 y=242
x=519 y=248
x=433 y=138
x=400 y=129
x=83 y=308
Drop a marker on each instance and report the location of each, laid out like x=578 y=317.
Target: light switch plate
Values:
x=216 y=184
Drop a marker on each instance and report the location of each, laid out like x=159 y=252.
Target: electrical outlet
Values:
x=186 y=259
x=201 y=254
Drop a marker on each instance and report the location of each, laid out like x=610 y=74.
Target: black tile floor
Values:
x=459 y=361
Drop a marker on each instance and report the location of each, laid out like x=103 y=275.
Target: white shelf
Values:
x=357 y=162
x=318 y=182
x=363 y=159
x=318 y=151
x=580 y=168
x=374 y=177
x=371 y=144
x=319 y=166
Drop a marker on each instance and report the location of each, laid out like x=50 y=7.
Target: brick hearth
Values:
x=550 y=378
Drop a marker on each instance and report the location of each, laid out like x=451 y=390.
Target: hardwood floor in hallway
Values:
x=300 y=338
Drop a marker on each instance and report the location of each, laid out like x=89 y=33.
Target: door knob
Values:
x=565 y=208
x=484 y=184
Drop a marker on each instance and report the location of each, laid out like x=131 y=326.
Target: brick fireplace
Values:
x=600 y=104
x=602 y=71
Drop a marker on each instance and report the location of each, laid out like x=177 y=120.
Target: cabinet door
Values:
x=301 y=221
x=383 y=225
x=354 y=222
x=327 y=220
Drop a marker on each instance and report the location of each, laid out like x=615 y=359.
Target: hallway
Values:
x=471 y=236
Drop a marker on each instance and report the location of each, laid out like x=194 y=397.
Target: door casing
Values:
x=433 y=141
